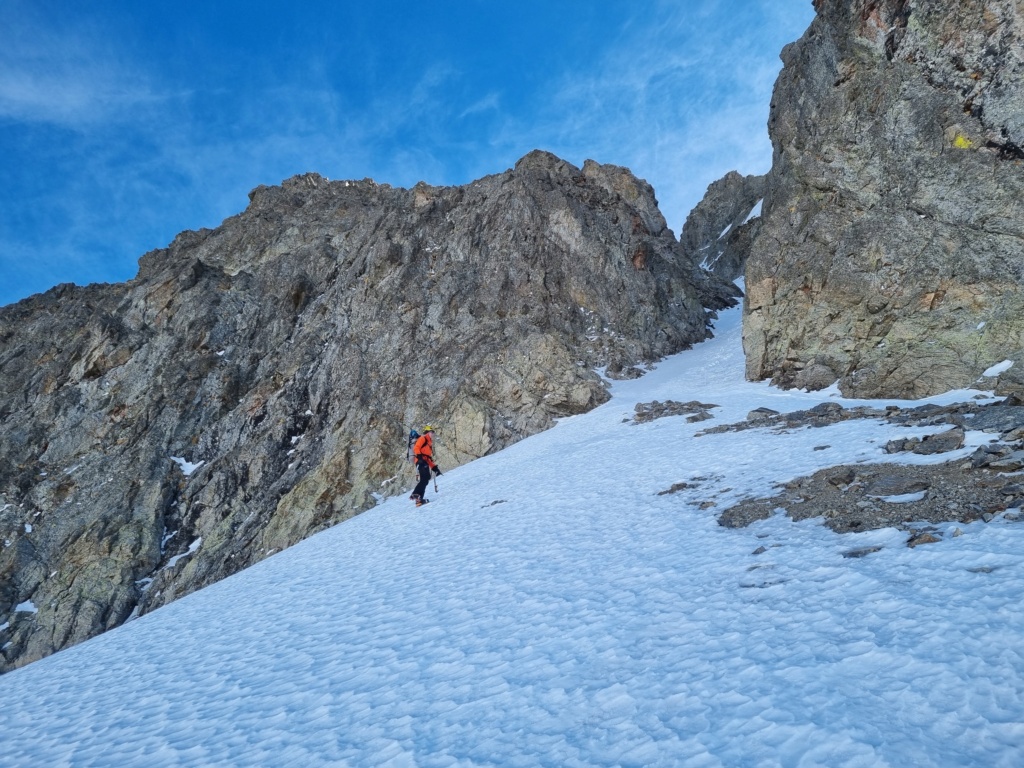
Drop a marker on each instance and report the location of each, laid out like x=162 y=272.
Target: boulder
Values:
x=1012 y=461
x=943 y=442
x=924 y=537
x=997 y=419
x=896 y=484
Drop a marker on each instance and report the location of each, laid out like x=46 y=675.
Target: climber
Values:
x=423 y=454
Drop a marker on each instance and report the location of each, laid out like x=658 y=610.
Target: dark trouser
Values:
x=421 y=486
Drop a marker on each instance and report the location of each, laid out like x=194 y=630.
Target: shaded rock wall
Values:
x=287 y=353
x=718 y=233
x=891 y=248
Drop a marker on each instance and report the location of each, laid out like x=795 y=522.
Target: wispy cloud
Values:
x=69 y=77
x=681 y=98
x=490 y=102
x=680 y=95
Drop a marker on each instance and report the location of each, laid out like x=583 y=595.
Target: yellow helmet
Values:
x=427 y=428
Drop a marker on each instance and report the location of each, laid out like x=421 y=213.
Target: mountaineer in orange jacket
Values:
x=423 y=454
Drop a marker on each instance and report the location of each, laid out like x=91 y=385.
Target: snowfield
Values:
x=549 y=608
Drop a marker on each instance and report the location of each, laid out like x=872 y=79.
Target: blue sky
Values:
x=123 y=123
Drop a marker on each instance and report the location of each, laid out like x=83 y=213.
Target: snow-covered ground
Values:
x=550 y=608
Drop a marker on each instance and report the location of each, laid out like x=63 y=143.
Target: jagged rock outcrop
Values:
x=868 y=496
x=719 y=231
x=255 y=383
x=891 y=250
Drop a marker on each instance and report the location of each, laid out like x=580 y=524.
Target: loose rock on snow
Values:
x=863 y=497
x=657 y=410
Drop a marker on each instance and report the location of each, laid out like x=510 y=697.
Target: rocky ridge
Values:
x=719 y=231
x=890 y=251
x=255 y=383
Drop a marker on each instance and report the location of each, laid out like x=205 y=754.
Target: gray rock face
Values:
x=891 y=250
x=255 y=383
x=719 y=231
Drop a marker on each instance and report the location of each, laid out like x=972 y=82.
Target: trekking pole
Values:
x=435 y=484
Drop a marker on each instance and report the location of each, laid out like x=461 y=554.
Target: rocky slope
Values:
x=866 y=496
x=255 y=383
x=890 y=254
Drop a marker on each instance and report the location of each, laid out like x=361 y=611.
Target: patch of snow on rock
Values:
x=187 y=467
x=997 y=369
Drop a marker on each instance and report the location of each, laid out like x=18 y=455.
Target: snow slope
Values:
x=550 y=608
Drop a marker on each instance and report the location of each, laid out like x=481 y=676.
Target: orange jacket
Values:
x=424 y=449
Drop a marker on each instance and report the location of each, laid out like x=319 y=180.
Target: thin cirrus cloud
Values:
x=66 y=77
x=682 y=100
x=490 y=102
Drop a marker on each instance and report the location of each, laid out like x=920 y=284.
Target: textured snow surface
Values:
x=549 y=608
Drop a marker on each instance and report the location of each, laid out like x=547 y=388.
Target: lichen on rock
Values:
x=890 y=253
